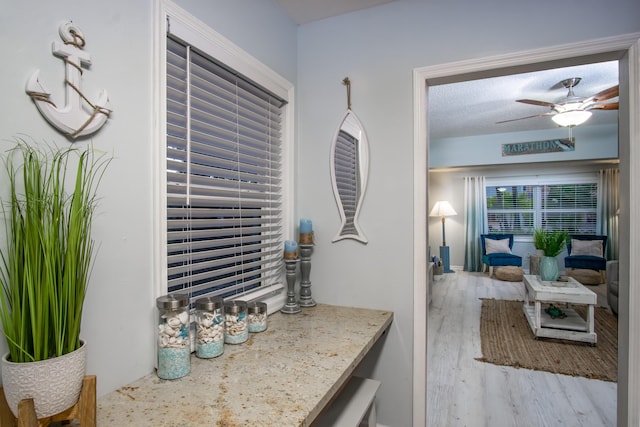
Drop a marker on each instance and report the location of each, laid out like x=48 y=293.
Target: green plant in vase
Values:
x=45 y=267
x=552 y=243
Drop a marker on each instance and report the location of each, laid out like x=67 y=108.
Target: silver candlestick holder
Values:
x=305 y=271
x=291 y=306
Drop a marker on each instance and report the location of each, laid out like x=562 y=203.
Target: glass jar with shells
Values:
x=209 y=321
x=257 y=316
x=235 y=322
x=174 y=344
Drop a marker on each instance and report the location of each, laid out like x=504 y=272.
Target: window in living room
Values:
x=521 y=207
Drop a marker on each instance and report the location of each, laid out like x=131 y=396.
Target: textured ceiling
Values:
x=473 y=107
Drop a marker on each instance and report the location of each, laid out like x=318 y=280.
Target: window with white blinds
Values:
x=519 y=209
x=224 y=172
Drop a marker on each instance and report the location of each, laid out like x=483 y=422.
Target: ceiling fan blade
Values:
x=612 y=92
x=522 y=118
x=607 y=106
x=535 y=102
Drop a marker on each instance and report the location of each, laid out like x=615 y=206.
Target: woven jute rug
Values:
x=506 y=339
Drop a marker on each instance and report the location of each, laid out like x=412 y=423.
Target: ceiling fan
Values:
x=573 y=110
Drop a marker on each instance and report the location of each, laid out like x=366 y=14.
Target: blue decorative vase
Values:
x=548 y=269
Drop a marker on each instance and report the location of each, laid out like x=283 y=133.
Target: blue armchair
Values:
x=496 y=252
x=586 y=252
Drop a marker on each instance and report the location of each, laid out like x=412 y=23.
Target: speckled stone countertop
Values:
x=281 y=377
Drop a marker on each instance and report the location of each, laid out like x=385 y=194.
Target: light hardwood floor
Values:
x=465 y=392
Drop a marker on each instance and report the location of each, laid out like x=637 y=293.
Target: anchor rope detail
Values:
x=79 y=116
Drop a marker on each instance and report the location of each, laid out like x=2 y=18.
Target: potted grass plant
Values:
x=551 y=243
x=44 y=270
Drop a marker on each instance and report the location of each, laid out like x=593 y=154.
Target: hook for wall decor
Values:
x=347 y=83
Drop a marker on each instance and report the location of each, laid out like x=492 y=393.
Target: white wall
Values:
x=592 y=142
x=378 y=49
x=118 y=308
x=119 y=314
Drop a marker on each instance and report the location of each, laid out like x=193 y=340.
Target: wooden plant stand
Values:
x=84 y=410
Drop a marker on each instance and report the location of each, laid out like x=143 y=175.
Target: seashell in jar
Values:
x=184 y=317
x=170 y=331
x=206 y=322
x=174 y=322
x=163 y=340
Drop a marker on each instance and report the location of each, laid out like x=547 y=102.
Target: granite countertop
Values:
x=281 y=377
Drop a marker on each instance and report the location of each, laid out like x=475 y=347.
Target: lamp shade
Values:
x=442 y=208
x=571 y=118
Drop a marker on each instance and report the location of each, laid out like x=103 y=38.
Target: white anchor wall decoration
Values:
x=79 y=116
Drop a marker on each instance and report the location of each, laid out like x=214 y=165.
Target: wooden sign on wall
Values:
x=538 y=147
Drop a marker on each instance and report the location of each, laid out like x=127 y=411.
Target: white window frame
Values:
x=558 y=179
x=199 y=34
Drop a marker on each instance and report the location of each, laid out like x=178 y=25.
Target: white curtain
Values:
x=608 y=205
x=474 y=215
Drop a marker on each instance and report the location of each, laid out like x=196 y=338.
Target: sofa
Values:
x=612 y=286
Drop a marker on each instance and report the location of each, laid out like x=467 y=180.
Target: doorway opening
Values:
x=623 y=49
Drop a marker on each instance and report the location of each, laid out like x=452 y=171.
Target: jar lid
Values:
x=209 y=303
x=235 y=307
x=172 y=301
x=257 y=307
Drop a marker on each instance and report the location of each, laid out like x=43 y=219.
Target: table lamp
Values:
x=443 y=209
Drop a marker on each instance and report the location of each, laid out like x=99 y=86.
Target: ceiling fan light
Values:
x=571 y=118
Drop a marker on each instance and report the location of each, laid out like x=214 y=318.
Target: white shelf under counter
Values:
x=284 y=376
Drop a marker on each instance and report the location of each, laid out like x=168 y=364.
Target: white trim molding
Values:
x=626 y=49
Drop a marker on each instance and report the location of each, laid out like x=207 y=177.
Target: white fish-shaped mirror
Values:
x=349 y=171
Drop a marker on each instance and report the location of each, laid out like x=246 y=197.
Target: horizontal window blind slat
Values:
x=177 y=175
x=198 y=234
x=197 y=250
x=217 y=212
x=207 y=196
x=226 y=287
x=199 y=268
x=192 y=253
x=174 y=199
x=248 y=269
x=213 y=146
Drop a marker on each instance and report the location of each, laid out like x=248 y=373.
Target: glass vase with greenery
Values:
x=45 y=267
x=550 y=242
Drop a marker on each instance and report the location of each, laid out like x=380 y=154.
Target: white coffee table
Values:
x=572 y=327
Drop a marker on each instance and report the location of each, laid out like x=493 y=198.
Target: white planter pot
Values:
x=54 y=384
